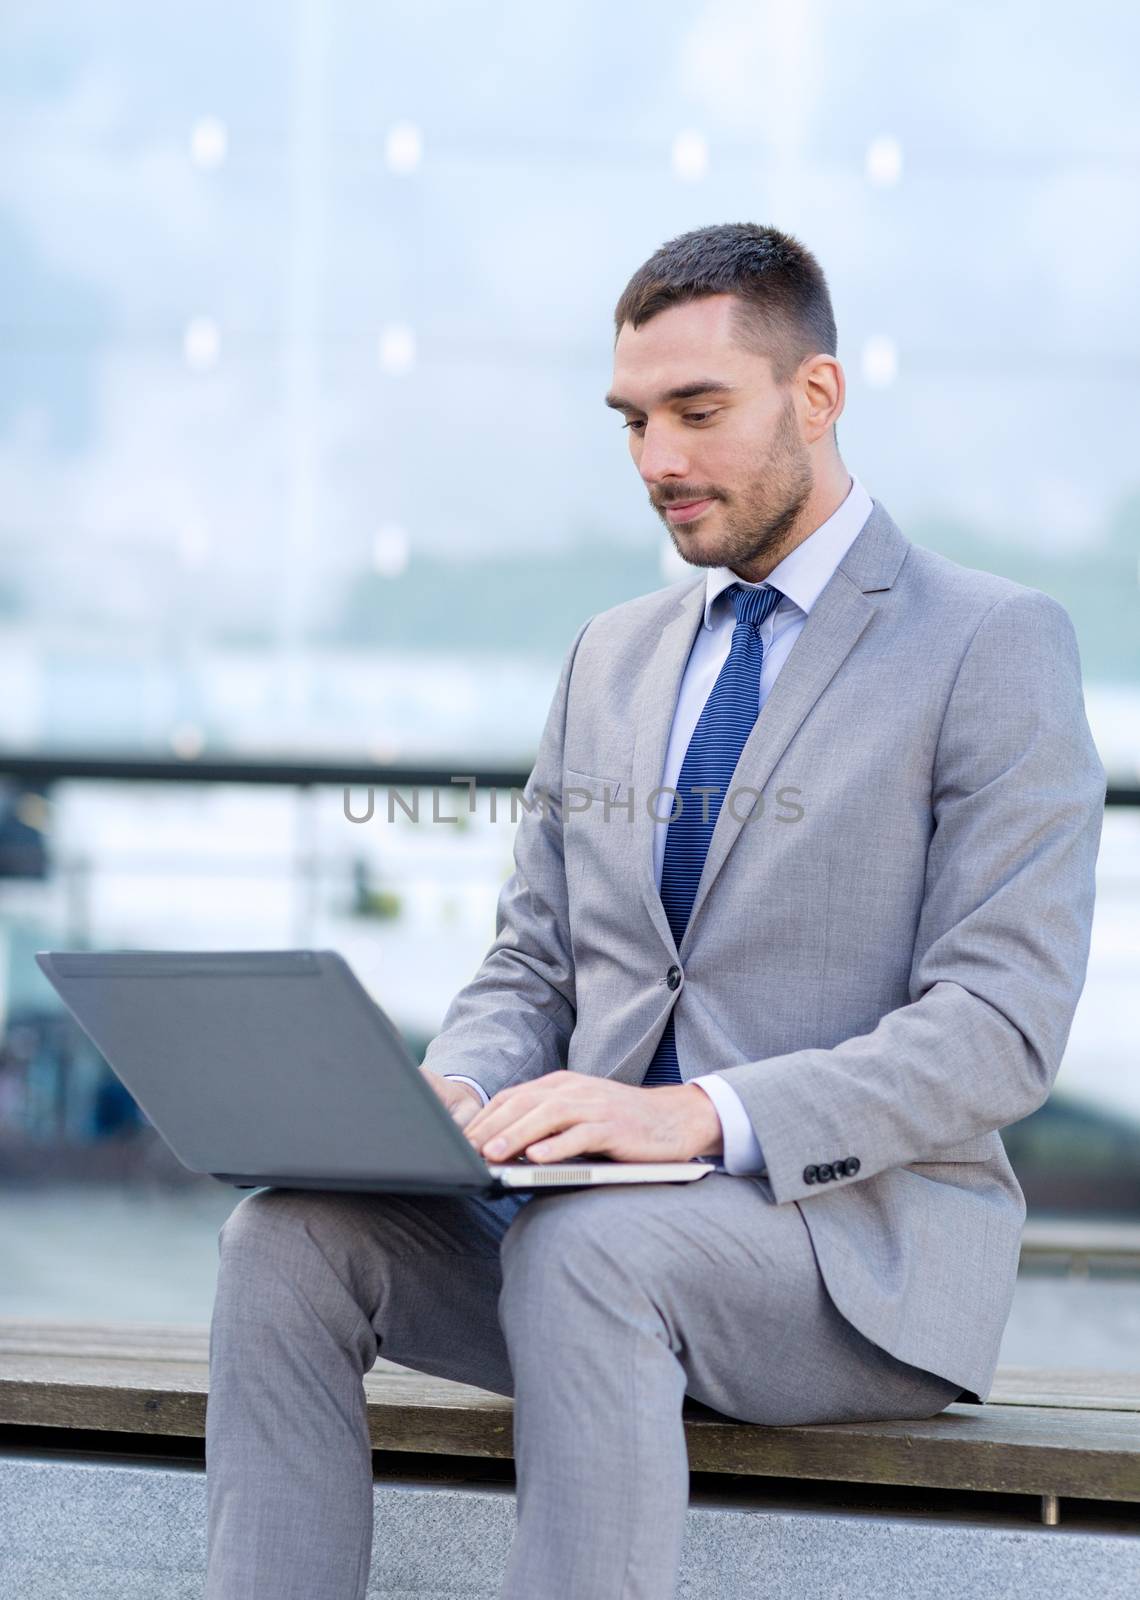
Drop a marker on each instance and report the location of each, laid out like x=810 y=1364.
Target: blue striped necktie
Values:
x=710 y=761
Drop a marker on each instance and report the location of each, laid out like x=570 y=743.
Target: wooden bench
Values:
x=1051 y=1435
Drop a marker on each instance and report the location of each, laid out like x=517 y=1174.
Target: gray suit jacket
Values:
x=889 y=937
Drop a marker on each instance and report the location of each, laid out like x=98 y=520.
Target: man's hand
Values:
x=459 y=1098
x=564 y=1114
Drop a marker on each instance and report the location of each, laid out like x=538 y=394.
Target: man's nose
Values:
x=662 y=456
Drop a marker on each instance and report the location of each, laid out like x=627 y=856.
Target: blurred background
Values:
x=306 y=484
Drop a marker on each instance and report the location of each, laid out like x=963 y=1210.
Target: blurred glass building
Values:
x=305 y=474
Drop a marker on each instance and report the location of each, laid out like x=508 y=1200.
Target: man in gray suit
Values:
x=807 y=886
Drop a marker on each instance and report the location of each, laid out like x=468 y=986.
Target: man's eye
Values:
x=690 y=416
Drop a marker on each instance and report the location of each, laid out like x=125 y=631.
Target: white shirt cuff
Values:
x=742 y=1153
x=458 y=1077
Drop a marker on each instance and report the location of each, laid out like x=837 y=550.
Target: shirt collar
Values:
x=804 y=572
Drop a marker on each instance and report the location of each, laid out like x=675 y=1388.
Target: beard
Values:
x=758 y=521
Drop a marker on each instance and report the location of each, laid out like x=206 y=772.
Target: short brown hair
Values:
x=786 y=312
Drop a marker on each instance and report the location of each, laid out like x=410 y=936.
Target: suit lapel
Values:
x=828 y=636
x=653 y=710
x=834 y=626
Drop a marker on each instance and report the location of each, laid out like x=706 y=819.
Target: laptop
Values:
x=276 y=1068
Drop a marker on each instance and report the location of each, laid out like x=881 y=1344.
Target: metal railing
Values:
x=41 y=770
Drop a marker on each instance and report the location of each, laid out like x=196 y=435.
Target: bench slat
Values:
x=1078 y=1388
x=158 y=1345
x=141 y=1379
x=1073 y=1388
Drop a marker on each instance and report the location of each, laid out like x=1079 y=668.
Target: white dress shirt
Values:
x=801 y=577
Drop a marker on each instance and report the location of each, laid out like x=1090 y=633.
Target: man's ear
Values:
x=822 y=389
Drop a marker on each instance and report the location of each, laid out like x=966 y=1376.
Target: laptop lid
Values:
x=267 y=1067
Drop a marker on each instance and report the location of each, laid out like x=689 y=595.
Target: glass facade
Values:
x=307 y=321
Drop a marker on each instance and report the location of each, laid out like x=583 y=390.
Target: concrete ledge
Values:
x=103 y=1530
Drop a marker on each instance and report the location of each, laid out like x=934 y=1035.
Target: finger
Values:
x=493 y=1118
x=584 y=1138
x=463 y=1107
x=506 y=1096
x=537 y=1123
x=545 y=1083
x=508 y=1104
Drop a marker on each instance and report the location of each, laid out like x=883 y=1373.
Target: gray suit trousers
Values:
x=599 y=1310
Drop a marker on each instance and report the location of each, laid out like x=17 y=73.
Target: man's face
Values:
x=716 y=442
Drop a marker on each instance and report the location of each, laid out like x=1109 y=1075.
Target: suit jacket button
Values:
x=851 y=1166
x=673 y=977
x=825 y=1173
x=810 y=1174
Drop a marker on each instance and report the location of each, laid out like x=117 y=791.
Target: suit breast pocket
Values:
x=584 y=785
x=595 y=826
